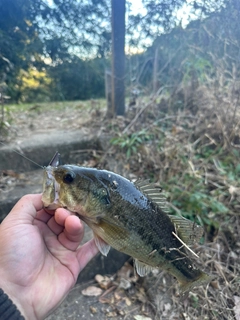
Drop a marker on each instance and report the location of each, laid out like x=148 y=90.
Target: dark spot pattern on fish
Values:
x=128 y=219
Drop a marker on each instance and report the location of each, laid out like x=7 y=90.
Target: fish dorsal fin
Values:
x=142 y=268
x=103 y=247
x=188 y=231
x=153 y=192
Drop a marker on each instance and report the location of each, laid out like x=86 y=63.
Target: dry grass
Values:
x=194 y=154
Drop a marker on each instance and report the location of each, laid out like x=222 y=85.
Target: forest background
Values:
x=60 y=50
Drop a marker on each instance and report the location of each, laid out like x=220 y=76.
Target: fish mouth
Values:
x=51 y=189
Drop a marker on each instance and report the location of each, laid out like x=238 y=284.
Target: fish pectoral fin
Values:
x=142 y=268
x=103 y=247
x=188 y=231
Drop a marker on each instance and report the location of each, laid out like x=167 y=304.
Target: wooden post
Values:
x=118 y=57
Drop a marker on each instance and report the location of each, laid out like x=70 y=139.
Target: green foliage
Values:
x=202 y=182
x=194 y=196
x=78 y=79
x=196 y=69
x=81 y=28
x=6 y=119
x=51 y=38
x=196 y=200
x=195 y=301
x=131 y=143
x=192 y=55
x=20 y=44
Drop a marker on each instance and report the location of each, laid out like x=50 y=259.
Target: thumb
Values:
x=25 y=209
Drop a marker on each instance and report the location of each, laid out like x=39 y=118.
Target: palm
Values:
x=40 y=254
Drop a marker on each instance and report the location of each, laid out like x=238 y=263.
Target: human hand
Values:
x=40 y=257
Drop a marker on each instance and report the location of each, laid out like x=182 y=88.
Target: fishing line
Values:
x=22 y=155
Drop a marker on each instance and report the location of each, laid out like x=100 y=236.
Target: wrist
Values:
x=8 y=309
x=17 y=303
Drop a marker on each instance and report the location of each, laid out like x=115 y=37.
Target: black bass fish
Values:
x=129 y=217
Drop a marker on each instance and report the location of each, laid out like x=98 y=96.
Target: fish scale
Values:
x=129 y=217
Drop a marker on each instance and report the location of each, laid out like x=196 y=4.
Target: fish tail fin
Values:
x=202 y=279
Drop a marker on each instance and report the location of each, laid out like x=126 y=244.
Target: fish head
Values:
x=75 y=188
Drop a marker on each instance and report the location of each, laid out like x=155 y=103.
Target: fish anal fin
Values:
x=142 y=268
x=103 y=247
x=188 y=231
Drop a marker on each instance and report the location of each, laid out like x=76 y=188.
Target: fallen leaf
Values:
x=107 y=300
x=236 y=309
x=126 y=271
x=141 y=295
x=127 y=301
x=215 y=284
x=103 y=281
x=138 y=317
x=99 y=278
x=121 y=312
x=118 y=295
x=93 y=310
x=10 y=173
x=111 y=314
x=124 y=284
x=186 y=317
x=92 y=291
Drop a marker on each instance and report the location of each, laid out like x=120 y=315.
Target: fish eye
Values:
x=69 y=177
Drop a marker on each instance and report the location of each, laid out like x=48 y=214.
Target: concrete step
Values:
x=41 y=147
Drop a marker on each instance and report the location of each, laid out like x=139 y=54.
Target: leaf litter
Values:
x=194 y=156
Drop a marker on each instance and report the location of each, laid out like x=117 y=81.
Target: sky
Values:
x=182 y=14
x=137 y=7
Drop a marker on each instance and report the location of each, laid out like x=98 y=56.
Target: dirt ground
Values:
x=44 y=118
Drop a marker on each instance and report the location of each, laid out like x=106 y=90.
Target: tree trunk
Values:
x=108 y=92
x=118 y=57
x=155 y=72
